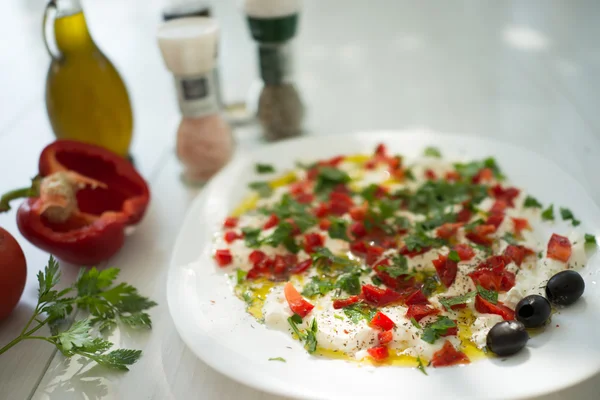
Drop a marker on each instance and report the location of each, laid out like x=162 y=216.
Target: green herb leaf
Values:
x=247 y=297
x=453 y=256
x=311 y=337
x=409 y=174
x=263 y=189
x=78 y=335
x=548 y=213
x=240 y=275
x=317 y=286
x=323 y=256
x=469 y=170
x=264 y=168
x=567 y=215
x=415 y=323
x=118 y=359
x=435 y=330
x=251 y=237
x=448 y=302
x=338 y=229
x=531 y=202
x=399 y=267
x=509 y=238
x=376 y=280
x=489 y=295
x=430 y=285
x=432 y=152
x=359 y=311
x=350 y=283
x=329 y=177
x=420 y=366
x=590 y=239
x=369 y=192
x=277 y=359
x=418 y=240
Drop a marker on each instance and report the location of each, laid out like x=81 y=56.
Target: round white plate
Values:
x=215 y=326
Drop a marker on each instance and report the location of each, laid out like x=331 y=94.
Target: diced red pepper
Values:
x=429 y=174
x=333 y=162
x=301 y=266
x=358 y=248
x=381 y=150
x=231 y=236
x=517 y=253
x=448 y=355
x=417 y=298
x=559 y=248
x=495 y=220
x=464 y=215
x=370 y=164
x=379 y=353
x=452 y=176
x=295 y=300
x=446 y=269
x=374 y=254
x=358 y=213
x=322 y=210
x=382 y=321
x=257 y=256
x=339 y=203
x=507 y=194
x=480 y=234
x=304 y=198
x=290 y=260
x=520 y=224
x=358 y=230
x=230 y=222
x=420 y=311
x=324 y=224
x=312 y=241
x=341 y=303
x=400 y=283
x=271 y=222
x=223 y=257
x=499 y=207
x=485 y=307
x=448 y=230
x=465 y=252
x=379 y=297
x=413 y=253
x=279 y=265
x=385 y=337
x=493 y=278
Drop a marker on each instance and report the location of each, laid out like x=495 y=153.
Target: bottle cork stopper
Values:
x=188 y=45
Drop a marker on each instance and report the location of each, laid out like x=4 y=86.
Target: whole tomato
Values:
x=13 y=273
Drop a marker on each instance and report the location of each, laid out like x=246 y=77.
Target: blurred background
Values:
x=525 y=72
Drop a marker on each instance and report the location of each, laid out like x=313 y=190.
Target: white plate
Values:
x=215 y=326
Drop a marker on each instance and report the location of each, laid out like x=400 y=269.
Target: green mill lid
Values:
x=272 y=21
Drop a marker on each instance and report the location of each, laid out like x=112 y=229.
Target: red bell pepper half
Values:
x=81 y=202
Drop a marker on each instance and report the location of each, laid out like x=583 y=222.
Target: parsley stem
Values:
x=25 y=335
x=33 y=316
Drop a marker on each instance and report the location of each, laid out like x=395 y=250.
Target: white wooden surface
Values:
x=523 y=72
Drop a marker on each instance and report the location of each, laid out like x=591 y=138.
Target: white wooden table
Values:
x=522 y=72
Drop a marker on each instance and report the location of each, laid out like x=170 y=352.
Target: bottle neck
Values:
x=70 y=28
x=275 y=61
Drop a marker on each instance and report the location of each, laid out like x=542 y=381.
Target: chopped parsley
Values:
x=330 y=177
x=408 y=174
x=317 y=286
x=469 y=170
x=509 y=238
x=398 y=268
x=590 y=239
x=349 y=282
x=338 y=229
x=359 y=311
x=435 y=330
x=418 y=240
x=251 y=237
x=567 y=215
x=240 y=275
x=430 y=285
x=420 y=366
x=489 y=295
x=277 y=359
x=369 y=192
x=453 y=256
x=290 y=209
x=531 y=202
x=282 y=235
x=415 y=323
x=310 y=337
x=263 y=189
x=324 y=256
x=432 y=152
x=448 y=302
x=548 y=213
x=376 y=280
x=247 y=298
x=264 y=168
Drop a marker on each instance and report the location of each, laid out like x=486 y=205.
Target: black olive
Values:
x=565 y=288
x=533 y=311
x=507 y=337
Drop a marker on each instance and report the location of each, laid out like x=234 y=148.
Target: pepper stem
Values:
x=31 y=191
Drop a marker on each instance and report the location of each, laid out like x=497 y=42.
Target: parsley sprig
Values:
x=309 y=337
x=93 y=291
